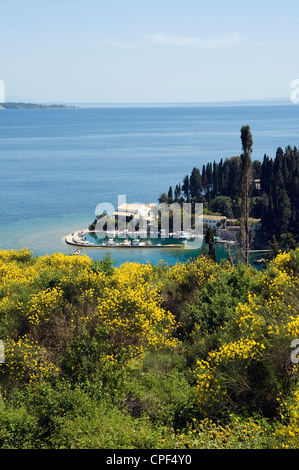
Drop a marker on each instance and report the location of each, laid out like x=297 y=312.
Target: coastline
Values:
x=20 y=105
x=69 y=240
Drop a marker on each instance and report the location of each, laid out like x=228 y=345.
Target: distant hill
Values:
x=13 y=105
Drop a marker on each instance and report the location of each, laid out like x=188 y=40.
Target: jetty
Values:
x=78 y=239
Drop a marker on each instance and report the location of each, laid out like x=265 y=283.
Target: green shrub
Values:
x=215 y=303
x=167 y=399
x=18 y=429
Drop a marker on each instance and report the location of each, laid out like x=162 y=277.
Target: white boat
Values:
x=186 y=236
x=126 y=243
x=138 y=243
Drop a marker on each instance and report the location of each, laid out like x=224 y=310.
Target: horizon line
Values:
x=248 y=102
x=245 y=101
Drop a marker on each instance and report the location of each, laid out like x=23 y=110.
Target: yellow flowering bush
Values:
x=25 y=361
x=198 y=339
x=43 y=304
x=52 y=298
x=193 y=272
x=287 y=433
x=247 y=369
x=132 y=312
x=235 y=433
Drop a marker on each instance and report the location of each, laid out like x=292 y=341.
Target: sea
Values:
x=58 y=165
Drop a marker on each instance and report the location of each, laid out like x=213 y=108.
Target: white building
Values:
x=134 y=211
x=213 y=221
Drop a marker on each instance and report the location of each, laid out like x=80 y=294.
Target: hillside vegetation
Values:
x=195 y=355
x=272 y=190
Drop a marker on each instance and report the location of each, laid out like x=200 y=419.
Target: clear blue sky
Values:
x=118 y=51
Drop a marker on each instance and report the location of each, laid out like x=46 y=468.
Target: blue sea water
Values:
x=57 y=165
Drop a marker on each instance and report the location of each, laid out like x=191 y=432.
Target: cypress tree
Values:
x=195 y=185
x=209 y=240
x=246 y=177
x=220 y=177
x=283 y=213
x=177 y=192
x=209 y=173
x=170 y=195
x=186 y=188
x=215 y=180
x=204 y=183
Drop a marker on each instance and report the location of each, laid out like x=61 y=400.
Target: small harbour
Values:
x=92 y=239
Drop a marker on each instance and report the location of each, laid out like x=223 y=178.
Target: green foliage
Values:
x=105 y=266
x=209 y=240
x=274 y=248
x=161 y=390
x=167 y=399
x=60 y=417
x=18 y=429
x=215 y=303
x=84 y=364
x=222 y=205
x=194 y=355
x=272 y=188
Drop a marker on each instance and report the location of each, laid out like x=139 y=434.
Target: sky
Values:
x=148 y=51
